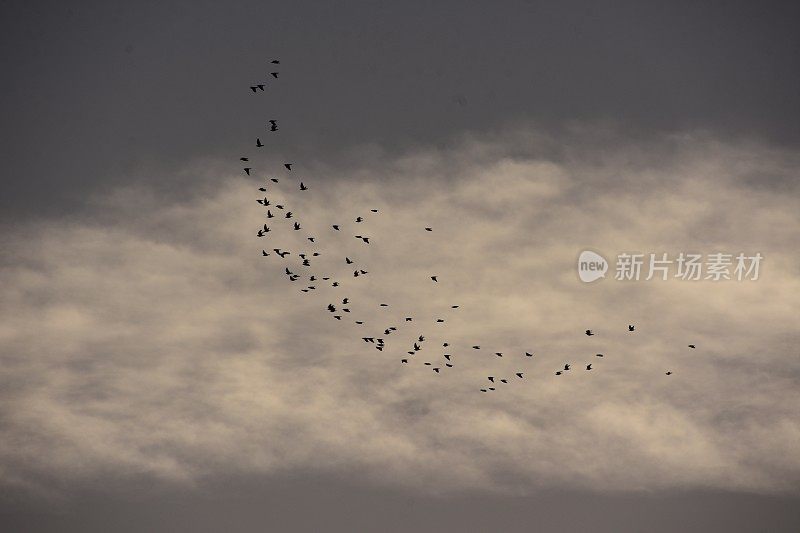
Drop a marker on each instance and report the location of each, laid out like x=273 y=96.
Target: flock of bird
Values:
x=341 y=309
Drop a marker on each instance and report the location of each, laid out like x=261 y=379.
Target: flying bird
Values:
x=247 y=170
x=428 y=229
x=529 y=354
x=303 y=187
x=274 y=74
x=630 y=327
x=288 y=166
x=259 y=144
x=589 y=366
x=434 y=279
x=692 y=346
x=275 y=62
x=273 y=125
x=589 y=332
x=669 y=373
x=598 y=355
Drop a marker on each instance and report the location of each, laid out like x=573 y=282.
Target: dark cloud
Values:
x=101 y=93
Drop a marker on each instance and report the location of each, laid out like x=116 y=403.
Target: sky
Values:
x=160 y=374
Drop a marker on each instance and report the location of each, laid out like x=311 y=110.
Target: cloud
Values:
x=148 y=337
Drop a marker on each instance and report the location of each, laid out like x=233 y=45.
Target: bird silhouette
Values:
x=528 y=354
x=428 y=229
x=434 y=278
x=259 y=143
x=589 y=366
x=668 y=373
x=247 y=170
x=589 y=332
x=598 y=355
x=566 y=366
x=273 y=125
x=303 y=187
x=275 y=61
x=630 y=327
x=519 y=375
x=692 y=346
x=288 y=166
x=274 y=74
x=336 y=227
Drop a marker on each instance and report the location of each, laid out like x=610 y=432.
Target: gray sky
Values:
x=159 y=374
x=99 y=93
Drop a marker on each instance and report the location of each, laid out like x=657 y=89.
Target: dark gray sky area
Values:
x=99 y=92
x=159 y=373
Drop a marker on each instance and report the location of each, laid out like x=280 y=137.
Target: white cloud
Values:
x=151 y=338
